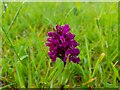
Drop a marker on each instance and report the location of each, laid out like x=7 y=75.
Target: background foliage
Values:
x=25 y=62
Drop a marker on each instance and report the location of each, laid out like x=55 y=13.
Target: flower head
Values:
x=61 y=44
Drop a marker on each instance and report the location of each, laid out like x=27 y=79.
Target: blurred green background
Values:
x=25 y=62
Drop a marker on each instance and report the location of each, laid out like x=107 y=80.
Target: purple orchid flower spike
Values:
x=61 y=44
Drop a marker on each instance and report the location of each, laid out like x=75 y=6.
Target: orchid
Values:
x=61 y=44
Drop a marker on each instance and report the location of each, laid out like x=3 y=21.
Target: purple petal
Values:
x=56 y=41
x=75 y=59
x=48 y=44
x=74 y=51
x=52 y=56
x=58 y=27
x=70 y=36
x=49 y=39
x=66 y=28
x=73 y=43
x=65 y=44
x=50 y=34
x=62 y=39
x=53 y=48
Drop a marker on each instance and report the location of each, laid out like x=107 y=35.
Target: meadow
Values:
x=25 y=62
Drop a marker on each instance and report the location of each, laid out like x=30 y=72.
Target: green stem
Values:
x=12 y=46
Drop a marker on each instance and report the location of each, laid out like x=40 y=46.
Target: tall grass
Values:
x=25 y=62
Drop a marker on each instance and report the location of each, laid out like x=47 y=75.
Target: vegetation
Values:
x=25 y=60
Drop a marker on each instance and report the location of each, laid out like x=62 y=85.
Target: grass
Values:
x=25 y=62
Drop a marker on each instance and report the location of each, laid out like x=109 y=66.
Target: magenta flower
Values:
x=62 y=44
